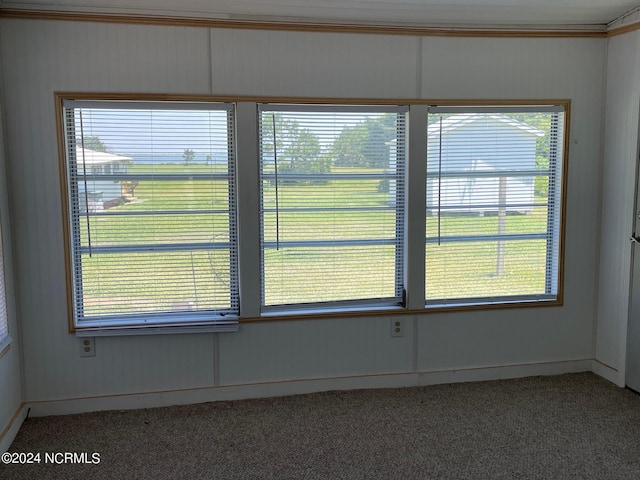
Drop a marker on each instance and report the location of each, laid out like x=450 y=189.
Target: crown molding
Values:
x=624 y=29
x=304 y=26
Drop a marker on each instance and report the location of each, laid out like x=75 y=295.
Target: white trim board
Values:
x=296 y=387
x=12 y=428
x=608 y=373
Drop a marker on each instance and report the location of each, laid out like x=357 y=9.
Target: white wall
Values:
x=618 y=186
x=41 y=57
x=10 y=371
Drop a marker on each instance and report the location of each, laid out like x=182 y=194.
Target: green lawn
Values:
x=125 y=283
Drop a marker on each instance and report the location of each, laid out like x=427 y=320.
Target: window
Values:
x=4 y=321
x=332 y=211
x=326 y=209
x=153 y=241
x=493 y=204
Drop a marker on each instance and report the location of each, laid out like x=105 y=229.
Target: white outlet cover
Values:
x=87 y=347
x=397 y=327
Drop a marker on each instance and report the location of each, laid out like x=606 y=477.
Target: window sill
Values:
x=159 y=329
x=286 y=315
x=361 y=311
x=489 y=303
x=304 y=314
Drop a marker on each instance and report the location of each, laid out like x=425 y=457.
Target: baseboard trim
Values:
x=11 y=429
x=505 y=372
x=295 y=387
x=607 y=372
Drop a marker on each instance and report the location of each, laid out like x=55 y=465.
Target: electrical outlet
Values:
x=88 y=347
x=397 y=327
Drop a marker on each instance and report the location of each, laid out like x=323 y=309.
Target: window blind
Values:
x=4 y=322
x=152 y=213
x=332 y=211
x=493 y=204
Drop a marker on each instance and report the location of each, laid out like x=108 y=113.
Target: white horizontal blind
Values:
x=152 y=212
x=493 y=204
x=4 y=322
x=332 y=213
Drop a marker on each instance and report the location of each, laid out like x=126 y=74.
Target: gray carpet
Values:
x=575 y=426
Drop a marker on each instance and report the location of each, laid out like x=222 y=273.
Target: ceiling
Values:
x=474 y=13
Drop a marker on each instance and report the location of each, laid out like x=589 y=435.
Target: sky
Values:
x=138 y=132
x=155 y=132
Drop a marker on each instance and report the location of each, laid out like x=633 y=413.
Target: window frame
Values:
x=399 y=207
x=554 y=267
x=219 y=320
x=247 y=185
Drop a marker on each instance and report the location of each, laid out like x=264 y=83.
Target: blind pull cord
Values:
x=84 y=177
x=439 y=179
x=275 y=171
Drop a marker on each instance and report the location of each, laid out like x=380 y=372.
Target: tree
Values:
x=298 y=150
x=188 y=156
x=349 y=149
x=366 y=144
x=302 y=149
x=94 y=143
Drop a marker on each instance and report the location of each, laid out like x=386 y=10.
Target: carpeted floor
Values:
x=575 y=426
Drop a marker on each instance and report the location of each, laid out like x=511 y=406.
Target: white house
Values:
x=100 y=194
x=464 y=167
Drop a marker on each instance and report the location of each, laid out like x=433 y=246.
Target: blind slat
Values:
x=152 y=206
x=493 y=204
x=332 y=212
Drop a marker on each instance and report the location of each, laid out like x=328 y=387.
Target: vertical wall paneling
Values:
x=41 y=57
x=535 y=69
x=10 y=362
x=289 y=350
x=481 y=339
x=313 y=64
x=215 y=345
x=210 y=59
x=618 y=186
x=419 y=68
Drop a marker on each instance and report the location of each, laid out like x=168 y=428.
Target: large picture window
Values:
x=493 y=204
x=328 y=208
x=151 y=205
x=332 y=205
